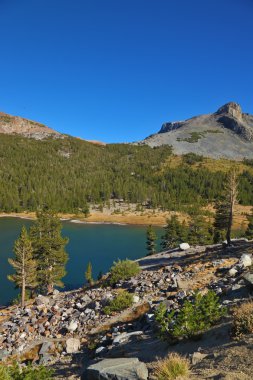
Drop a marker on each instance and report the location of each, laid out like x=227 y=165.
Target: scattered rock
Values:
x=184 y=246
x=117 y=369
x=72 y=345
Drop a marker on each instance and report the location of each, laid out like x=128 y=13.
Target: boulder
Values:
x=42 y=300
x=232 y=272
x=184 y=246
x=246 y=260
x=117 y=369
x=72 y=345
x=248 y=278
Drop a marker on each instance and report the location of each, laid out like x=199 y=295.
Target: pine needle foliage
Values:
x=25 y=276
x=175 y=233
x=88 y=274
x=193 y=318
x=123 y=270
x=49 y=250
x=151 y=241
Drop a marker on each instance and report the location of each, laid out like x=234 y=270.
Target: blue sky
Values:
x=115 y=70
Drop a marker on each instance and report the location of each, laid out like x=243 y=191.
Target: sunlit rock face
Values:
x=226 y=133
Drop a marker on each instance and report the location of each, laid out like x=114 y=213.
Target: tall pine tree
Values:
x=175 y=233
x=225 y=209
x=249 y=230
x=88 y=274
x=151 y=241
x=25 y=276
x=49 y=250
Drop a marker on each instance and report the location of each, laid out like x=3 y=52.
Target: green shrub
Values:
x=243 y=319
x=15 y=372
x=192 y=319
x=171 y=368
x=122 y=301
x=123 y=270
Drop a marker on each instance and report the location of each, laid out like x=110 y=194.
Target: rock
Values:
x=117 y=369
x=125 y=336
x=42 y=300
x=136 y=299
x=248 y=277
x=45 y=348
x=72 y=326
x=232 y=272
x=246 y=260
x=197 y=357
x=72 y=345
x=99 y=350
x=184 y=246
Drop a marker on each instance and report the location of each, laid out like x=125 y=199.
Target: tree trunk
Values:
x=23 y=292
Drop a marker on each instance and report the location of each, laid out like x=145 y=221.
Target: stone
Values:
x=248 y=278
x=117 y=369
x=184 y=246
x=197 y=357
x=136 y=299
x=246 y=260
x=72 y=345
x=72 y=326
x=42 y=300
x=125 y=336
x=232 y=272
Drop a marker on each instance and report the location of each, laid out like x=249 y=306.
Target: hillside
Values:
x=227 y=133
x=12 y=125
x=68 y=174
x=69 y=331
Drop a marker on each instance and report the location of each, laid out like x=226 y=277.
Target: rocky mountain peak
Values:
x=233 y=109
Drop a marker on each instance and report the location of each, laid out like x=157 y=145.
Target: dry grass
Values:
x=171 y=368
x=243 y=319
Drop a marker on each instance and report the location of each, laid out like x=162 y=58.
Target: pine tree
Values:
x=151 y=241
x=88 y=274
x=200 y=232
x=175 y=233
x=225 y=208
x=249 y=230
x=25 y=266
x=49 y=250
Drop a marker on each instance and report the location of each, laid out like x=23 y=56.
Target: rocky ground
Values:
x=69 y=331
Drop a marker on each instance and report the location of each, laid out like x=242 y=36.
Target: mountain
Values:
x=227 y=133
x=19 y=126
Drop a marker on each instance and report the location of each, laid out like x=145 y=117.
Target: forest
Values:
x=67 y=174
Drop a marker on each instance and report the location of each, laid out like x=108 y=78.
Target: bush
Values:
x=123 y=270
x=15 y=372
x=122 y=301
x=192 y=319
x=243 y=319
x=173 y=367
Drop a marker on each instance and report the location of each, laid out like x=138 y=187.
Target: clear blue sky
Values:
x=115 y=70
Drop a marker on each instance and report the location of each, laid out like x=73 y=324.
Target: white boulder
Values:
x=246 y=260
x=184 y=246
x=72 y=345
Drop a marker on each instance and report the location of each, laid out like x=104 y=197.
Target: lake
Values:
x=100 y=244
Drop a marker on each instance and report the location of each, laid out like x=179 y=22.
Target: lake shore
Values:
x=147 y=218
x=141 y=218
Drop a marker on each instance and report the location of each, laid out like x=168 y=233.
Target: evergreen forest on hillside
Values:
x=67 y=174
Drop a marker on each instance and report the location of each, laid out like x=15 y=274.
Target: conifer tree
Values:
x=200 y=232
x=49 y=250
x=225 y=208
x=249 y=230
x=151 y=241
x=88 y=274
x=25 y=266
x=175 y=233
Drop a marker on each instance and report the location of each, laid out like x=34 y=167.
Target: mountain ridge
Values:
x=226 y=133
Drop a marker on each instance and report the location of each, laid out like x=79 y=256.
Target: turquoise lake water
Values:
x=100 y=244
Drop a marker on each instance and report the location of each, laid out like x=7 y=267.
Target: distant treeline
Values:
x=67 y=174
